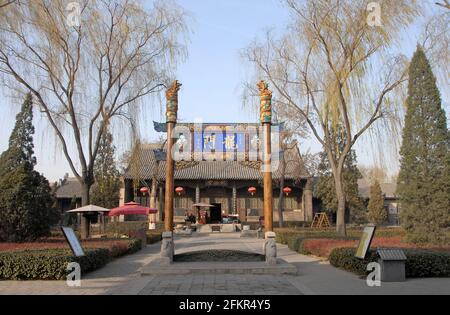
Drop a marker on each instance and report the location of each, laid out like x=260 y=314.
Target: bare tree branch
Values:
x=86 y=75
x=323 y=68
x=446 y=4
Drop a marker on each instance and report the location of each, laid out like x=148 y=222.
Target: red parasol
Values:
x=131 y=208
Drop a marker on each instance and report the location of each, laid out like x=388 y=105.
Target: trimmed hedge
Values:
x=293 y=224
x=48 y=264
x=344 y=258
x=295 y=240
x=154 y=237
x=419 y=264
x=125 y=248
x=134 y=246
x=131 y=228
x=51 y=264
x=331 y=232
x=125 y=228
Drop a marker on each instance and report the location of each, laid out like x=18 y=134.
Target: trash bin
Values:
x=392 y=262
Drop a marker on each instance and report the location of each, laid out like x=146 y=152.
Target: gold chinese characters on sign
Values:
x=266 y=102
x=172 y=102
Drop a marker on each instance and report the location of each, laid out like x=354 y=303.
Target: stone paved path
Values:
x=122 y=276
x=220 y=285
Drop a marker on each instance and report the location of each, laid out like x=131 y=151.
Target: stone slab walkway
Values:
x=123 y=276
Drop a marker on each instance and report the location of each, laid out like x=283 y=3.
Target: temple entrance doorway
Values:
x=216 y=213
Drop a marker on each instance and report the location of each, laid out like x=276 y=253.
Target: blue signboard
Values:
x=215 y=142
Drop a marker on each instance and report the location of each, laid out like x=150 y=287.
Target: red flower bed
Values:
x=323 y=247
x=58 y=243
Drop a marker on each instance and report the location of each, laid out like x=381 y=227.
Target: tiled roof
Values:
x=388 y=189
x=217 y=170
x=69 y=188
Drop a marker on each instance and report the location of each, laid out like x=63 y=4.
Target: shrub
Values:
x=48 y=264
x=331 y=232
x=293 y=224
x=425 y=264
x=134 y=246
x=58 y=243
x=344 y=258
x=125 y=228
x=26 y=211
x=283 y=235
x=323 y=247
x=118 y=249
x=294 y=243
x=377 y=213
x=154 y=237
x=122 y=248
x=419 y=264
x=296 y=240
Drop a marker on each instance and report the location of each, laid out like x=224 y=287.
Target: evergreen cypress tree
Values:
x=20 y=151
x=376 y=211
x=325 y=187
x=105 y=192
x=424 y=178
x=26 y=201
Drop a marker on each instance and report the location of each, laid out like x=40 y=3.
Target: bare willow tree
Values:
x=90 y=65
x=334 y=68
x=373 y=174
x=435 y=40
x=293 y=128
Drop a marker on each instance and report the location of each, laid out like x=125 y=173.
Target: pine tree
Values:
x=376 y=211
x=26 y=201
x=424 y=178
x=327 y=193
x=105 y=192
x=20 y=151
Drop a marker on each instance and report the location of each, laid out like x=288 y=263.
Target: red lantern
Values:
x=144 y=190
x=179 y=190
x=287 y=190
x=252 y=190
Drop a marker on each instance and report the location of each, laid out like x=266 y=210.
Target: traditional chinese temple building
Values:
x=233 y=186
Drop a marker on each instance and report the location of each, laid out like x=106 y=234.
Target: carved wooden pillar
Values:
x=266 y=121
x=171 y=114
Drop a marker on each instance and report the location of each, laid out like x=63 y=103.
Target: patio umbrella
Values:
x=130 y=209
x=86 y=210
x=90 y=208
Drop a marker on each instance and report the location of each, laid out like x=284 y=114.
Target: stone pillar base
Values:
x=270 y=248
x=167 y=248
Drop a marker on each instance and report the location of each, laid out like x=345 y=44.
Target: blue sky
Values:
x=214 y=72
x=212 y=76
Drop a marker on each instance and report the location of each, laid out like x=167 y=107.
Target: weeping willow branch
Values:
x=336 y=72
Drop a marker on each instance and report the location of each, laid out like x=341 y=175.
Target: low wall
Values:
x=288 y=216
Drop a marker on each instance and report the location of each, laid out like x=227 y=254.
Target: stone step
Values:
x=207 y=268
